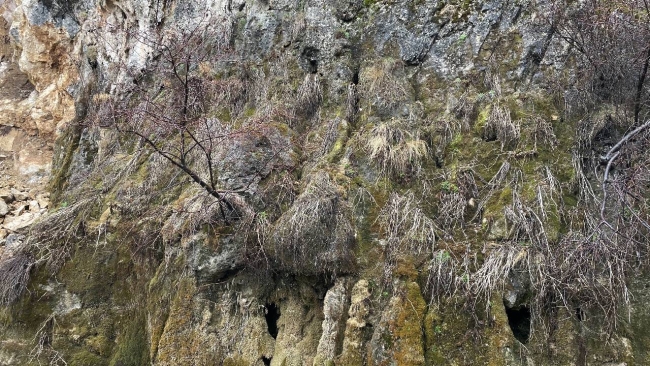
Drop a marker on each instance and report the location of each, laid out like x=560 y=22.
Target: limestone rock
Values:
x=43 y=202
x=19 y=209
x=6 y=196
x=4 y=209
x=398 y=336
x=34 y=206
x=15 y=223
x=347 y=10
x=67 y=303
x=334 y=309
x=358 y=313
x=19 y=195
x=517 y=289
x=211 y=264
x=498 y=229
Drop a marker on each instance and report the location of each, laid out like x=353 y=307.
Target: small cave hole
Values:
x=313 y=66
x=266 y=360
x=272 y=314
x=580 y=315
x=355 y=78
x=519 y=321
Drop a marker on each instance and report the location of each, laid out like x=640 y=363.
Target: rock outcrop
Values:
x=396 y=184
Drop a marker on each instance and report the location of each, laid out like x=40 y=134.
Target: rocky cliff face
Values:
x=400 y=179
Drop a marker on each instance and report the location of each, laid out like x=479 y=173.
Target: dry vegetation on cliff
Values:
x=217 y=195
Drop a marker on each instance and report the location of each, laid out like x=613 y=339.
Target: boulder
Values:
x=43 y=201
x=34 y=206
x=4 y=209
x=19 y=195
x=6 y=196
x=15 y=223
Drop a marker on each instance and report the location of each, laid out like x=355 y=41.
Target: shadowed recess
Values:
x=519 y=321
x=272 y=314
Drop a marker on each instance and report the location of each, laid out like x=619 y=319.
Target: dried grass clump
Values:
x=543 y=132
x=496 y=268
x=490 y=188
x=331 y=136
x=464 y=110
x=352 y=104
x=588 y=267
x=499 y=126
x=406 y=229
x=315 y=236
x=588 y=128
x=200 y=209
x=451 y=210
x=549 y=195
x=52 y=238
x=381 y=85
x=448 y=275
x=310 y=96
x=581 y=182
x=14 y=276
x=395 y=149
x=442 y=133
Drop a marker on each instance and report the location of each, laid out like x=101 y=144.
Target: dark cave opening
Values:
x=272 y=314
x=267 y=360
x=355 y=78
x=519 y=321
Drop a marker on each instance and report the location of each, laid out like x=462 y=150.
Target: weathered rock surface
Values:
x=336 y=105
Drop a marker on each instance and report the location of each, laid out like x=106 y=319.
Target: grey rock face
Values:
x=517 y=290
x=210 y=263
x=315 y=236
x=59 y=12
x=84 y=155
x=19 y=195
x=14 y=241
x=335 y=306
x=347 y=10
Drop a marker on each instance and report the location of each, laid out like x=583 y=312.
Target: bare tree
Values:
x=173 y=105
x=612 y=40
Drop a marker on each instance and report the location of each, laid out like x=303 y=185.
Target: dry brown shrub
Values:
x=406 y=230
x=382 y=87
x=14 y=276
x=315 y=236
x=499 y=126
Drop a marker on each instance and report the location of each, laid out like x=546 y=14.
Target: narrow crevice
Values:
x=580 y=315
x=266 y=360
x=272 y=314
x=519 y=321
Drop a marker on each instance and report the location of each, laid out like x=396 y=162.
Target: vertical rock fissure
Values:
x=272 y=314
x=519 y=321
